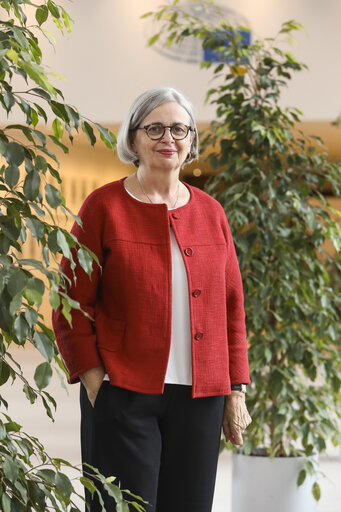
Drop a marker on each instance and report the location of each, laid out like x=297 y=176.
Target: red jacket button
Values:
x=196 y=293
x=189 y=251
x=175 y=215
x=198 y=335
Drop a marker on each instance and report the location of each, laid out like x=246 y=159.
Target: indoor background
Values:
x=106 y=63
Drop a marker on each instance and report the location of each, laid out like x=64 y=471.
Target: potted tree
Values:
x=272 y=183
x=31 y=205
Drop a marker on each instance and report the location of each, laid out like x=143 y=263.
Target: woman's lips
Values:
x=167 y=152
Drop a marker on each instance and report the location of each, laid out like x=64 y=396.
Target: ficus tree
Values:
x=30 y=202
x=273 y=182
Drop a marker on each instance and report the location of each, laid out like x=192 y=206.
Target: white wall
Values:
x=106 y=61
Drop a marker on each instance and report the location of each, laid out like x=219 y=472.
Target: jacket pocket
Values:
x=109 y=332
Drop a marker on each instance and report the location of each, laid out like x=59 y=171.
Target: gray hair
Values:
x=141 y=108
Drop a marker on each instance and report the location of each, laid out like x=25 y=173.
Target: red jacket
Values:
x=130 y=299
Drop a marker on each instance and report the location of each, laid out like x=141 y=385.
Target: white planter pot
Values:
x=263 y=485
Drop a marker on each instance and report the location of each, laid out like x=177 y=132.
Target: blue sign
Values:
x=217 y=56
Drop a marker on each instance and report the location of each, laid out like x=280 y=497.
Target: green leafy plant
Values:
x=30 y=203
x=271 y=181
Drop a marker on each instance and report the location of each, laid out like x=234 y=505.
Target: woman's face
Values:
x=166 y=152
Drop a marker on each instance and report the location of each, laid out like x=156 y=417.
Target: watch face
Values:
x=239 y=387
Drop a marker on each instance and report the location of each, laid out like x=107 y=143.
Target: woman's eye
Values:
x=155 y=130
x=179 y=129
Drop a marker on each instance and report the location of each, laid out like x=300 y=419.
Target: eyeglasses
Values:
x=156 y=131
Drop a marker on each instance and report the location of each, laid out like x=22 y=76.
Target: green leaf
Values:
x=60 y=144
x=40 y=136
x=66 y=311
x=22 y=494
x=87 y=129
x=53 y=196
x=42 y=375
x=21 y=327
x=41 y=112
x=47 y=475
x=15 y=304
x=54 y=299
x=113 y=491
x=44 y=345
x=11 y=470
x=42 y=14
x=29 y=167
x=8 y=100
x=316 y=491
x=12 y=175
x=32 y=185
x=25 y=107
x=3 y=432
x=31 y=317
x=88 y=484
x=33 y=297
x=107 y=136
x=46 y=256
x=31 y=395
x=153 y=39
x=41 y=163
x=34 y=117
x=57 y=127
x=5 y=372
x=147 y=14
x=301 y=477
x=122 y=506
x=6 y=502
x=85 y=260
x=15 y=153
x=20 y=37
x=60 y=110
x=63 y=244
x=36 y=284
x=13 y=56
x=53 y=242
x=67 y=20
x=73 y=115
x=63 y=484
x=9 y=228
x=23 y=234
x=53 y=9
x=36 y=227
x=41 y=92
x=16 y=282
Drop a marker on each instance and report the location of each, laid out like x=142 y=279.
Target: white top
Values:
x=179 y=369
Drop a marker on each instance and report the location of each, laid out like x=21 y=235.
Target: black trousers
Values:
x=161 y=447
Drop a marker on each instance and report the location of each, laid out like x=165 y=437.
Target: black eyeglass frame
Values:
x=145 y=128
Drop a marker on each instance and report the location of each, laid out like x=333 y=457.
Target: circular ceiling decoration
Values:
x=190 y=49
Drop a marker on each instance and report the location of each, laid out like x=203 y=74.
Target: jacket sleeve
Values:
x=77 y=344
x=236 y=329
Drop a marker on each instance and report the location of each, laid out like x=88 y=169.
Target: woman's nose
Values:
x=167 y=136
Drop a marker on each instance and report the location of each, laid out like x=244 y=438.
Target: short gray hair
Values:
x=141 y=108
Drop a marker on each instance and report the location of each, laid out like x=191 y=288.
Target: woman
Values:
x=167 y=339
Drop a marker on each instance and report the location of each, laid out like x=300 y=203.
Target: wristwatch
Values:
x=238 y=387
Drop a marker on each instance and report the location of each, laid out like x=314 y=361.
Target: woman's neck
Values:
x=159 y=184
x=157 y=190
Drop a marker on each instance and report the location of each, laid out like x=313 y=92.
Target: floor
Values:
x=61 y=438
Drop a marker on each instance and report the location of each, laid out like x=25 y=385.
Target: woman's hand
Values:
x=92 y=381
x=236 y=417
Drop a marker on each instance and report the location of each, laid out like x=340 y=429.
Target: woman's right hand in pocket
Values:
x=92 y=380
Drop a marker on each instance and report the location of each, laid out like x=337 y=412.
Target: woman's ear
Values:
x=132 y=144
